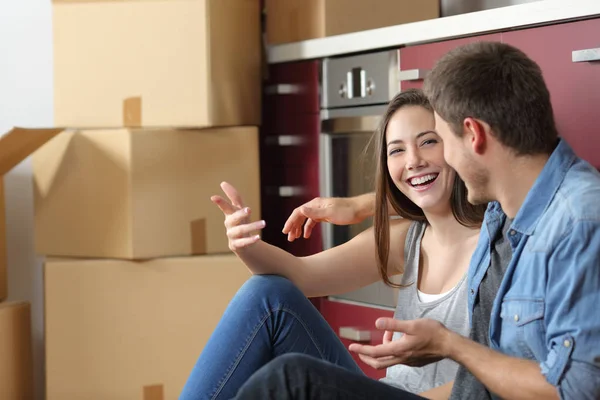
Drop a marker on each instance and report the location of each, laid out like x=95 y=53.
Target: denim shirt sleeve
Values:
x=572 y=314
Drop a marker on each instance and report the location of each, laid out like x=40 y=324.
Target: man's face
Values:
x=459 y=154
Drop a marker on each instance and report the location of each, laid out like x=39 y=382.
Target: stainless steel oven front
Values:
x=356 y=91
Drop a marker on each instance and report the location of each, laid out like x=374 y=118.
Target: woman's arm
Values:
x=442 y=392
x=343 y=268
x=335 y=210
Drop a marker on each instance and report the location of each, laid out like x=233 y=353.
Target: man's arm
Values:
x=425 y=341
x=508 y=377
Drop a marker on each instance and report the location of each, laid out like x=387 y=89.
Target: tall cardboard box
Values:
x=140 y=193
x=3 y=255
x=15 y=146
x=156 y=63
x=296 y=20
x=16 y=359
x=116 y=329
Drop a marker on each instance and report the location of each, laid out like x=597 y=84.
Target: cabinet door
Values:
x=289 y=150
x=359 y=318
x=291 y=87
x=574 y=86
x=416 y=61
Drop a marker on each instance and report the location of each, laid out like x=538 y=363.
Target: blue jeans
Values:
x=268 y=317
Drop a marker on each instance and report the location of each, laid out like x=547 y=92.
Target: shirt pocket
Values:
x=523 y=332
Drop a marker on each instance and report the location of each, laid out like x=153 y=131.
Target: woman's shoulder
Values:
x=400 y=229
x=402 y=225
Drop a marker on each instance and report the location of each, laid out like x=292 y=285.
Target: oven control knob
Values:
x=343 y=91
x=370 y=88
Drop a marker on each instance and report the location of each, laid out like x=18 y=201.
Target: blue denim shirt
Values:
x=548 y=306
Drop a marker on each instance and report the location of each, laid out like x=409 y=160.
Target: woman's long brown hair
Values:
x=465 y=213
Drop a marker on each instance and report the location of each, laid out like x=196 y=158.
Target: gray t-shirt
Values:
x=450 y=309
x=466 y=386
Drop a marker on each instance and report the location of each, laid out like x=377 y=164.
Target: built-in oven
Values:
x=355 y=93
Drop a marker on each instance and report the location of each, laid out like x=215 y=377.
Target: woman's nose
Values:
x=414 y=159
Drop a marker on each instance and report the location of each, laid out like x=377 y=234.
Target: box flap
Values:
x=19 y=143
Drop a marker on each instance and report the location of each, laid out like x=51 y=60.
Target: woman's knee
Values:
x=270 y=285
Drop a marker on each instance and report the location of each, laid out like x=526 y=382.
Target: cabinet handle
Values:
x=283 y=88
x=586 y=55
x=286 y=191
x=355 y=334
x=412 y=75
x=285 y=140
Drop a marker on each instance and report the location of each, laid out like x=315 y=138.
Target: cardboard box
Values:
x=15 y=146
x=116 y=329
x=3 y=255
x=156 y=63
x=140 y=193
x=296 y=20
x=16 y=358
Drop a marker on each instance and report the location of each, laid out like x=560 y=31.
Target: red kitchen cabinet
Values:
x=289 y=150
x=340 y=314
x=574 y=86
x=416 y=61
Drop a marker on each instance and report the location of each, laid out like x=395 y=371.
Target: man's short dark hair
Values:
x=496 y=83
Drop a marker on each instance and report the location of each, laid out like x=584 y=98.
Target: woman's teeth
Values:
x=421 y=180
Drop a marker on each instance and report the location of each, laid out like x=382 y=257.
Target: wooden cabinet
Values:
x=416 y=61
x=574 y=86
x=289 y=150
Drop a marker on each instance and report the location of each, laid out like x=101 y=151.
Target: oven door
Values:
x=348 y=169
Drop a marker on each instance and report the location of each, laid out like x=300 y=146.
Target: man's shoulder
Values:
x=578 y=196
x=575 y=203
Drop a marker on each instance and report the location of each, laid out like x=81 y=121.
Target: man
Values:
x=534 y=279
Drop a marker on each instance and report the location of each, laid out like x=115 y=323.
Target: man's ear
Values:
x=475 y=133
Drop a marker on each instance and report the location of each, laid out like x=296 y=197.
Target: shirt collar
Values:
x=543 y=190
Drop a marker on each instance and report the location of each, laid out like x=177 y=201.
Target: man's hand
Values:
x=423 y=341
x=335 y=210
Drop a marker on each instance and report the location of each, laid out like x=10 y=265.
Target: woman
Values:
x=429 y=249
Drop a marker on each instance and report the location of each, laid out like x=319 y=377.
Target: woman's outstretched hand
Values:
x=335 y=210
x=240 y=231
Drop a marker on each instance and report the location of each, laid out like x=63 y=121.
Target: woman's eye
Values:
x=395 y=151
x=429 y=141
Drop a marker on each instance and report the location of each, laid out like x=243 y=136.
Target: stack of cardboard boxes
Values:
x=16 y=359
x=161 y=99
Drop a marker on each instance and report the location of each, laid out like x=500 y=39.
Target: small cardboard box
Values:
x=15 y=146
x=118 y=329
x=156 y=63
x=140 y=193
x=16 y=359
x=297 y=20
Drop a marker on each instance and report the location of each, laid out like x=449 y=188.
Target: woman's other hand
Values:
x=335 y=210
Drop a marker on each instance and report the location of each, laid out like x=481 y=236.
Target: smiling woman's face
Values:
x=415 y=158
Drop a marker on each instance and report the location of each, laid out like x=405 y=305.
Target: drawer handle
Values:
x=285 y=140
x=355 y=334
x=586 y=55
x=412 y=75
x=283 y=88
x=286 y=191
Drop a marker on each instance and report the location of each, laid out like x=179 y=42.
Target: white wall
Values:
x=25 y=100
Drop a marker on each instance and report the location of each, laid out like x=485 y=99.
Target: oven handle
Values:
x=345 y=125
